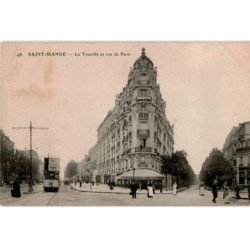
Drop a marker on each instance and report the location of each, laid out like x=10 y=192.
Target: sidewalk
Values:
x=6 y=193
x=104 y=188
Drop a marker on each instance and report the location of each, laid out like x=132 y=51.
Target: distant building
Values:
x=243 y=153
x=6 y=142
x=135 y=133
x=237 y=151
x=229 y=146
x=6 y=145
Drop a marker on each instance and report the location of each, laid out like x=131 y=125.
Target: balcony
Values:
x=143 y=149
x=126 y=151
x=144 y=82
x=143 y=116
x=156 y=152
x=242 y=149
x=143 y=98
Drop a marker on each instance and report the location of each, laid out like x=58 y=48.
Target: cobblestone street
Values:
x=70 y=197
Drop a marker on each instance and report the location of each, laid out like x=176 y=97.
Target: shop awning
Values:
x=141 y=174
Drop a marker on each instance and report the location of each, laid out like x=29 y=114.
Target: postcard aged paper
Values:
x=125 y=124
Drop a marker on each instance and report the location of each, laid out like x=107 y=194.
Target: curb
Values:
x=106 y=192
x=34 y=192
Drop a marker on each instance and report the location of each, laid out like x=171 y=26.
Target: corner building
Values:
x=136 y=132
x=237 y=151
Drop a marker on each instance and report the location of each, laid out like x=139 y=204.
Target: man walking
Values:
x=214 y=191
x=133 y=188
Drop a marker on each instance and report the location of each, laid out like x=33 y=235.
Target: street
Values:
x=68 y=197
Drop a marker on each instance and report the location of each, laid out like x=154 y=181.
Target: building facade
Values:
x=136 y=132
x=242 y=154
x=237 y=151
x=7 y=148
x=229 y=146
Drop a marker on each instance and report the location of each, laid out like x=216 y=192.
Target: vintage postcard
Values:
x=125 y=124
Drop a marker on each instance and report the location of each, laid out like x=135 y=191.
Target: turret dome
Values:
x=143 y=61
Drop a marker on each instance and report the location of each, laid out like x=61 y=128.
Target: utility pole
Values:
x=30 y=128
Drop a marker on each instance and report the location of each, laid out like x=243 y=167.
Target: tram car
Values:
x=51 y=174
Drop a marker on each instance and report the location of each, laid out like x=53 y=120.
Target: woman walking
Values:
x=175 y=189
x=150 y=190
x=15 y=192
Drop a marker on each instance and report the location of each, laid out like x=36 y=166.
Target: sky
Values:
x=206 y=87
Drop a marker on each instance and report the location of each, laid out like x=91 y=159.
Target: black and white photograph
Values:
x=125 y=124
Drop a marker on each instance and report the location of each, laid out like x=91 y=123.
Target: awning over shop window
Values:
x=141 y=174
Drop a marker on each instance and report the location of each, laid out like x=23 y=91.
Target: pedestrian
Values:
x=150 y=190
x=175 y=189
x=153 y=186
x=201 y=189
x=226 y=194
x=15 y=192
x=237 y=192
x=110 y=183
x=133 y=189
x=160 y=187
x=80 y=183
x=113 y=184
x=214 y=191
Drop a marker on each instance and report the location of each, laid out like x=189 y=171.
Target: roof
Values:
x=143 y=59
x=141 y=174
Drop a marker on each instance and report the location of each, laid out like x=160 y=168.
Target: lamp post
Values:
x=30 y=153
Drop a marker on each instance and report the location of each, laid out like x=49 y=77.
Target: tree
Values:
x=22 y=165
x=71 y=169
x=177 y=165
x=7 y=162
x=216 y=167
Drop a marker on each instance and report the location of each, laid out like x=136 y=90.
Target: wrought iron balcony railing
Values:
x=143 y=149
x=143 y=98
x=143 y=116
x=242 y=149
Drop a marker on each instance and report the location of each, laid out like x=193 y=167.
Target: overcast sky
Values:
x=206 y=87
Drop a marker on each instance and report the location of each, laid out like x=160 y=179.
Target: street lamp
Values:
x=133 y=173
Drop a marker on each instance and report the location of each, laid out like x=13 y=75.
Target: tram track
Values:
x=51 y=199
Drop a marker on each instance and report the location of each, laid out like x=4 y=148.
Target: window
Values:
x=143 y=93
x=144 y=77
x=241 y=160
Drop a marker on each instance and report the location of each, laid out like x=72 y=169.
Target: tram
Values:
x=51 y=174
